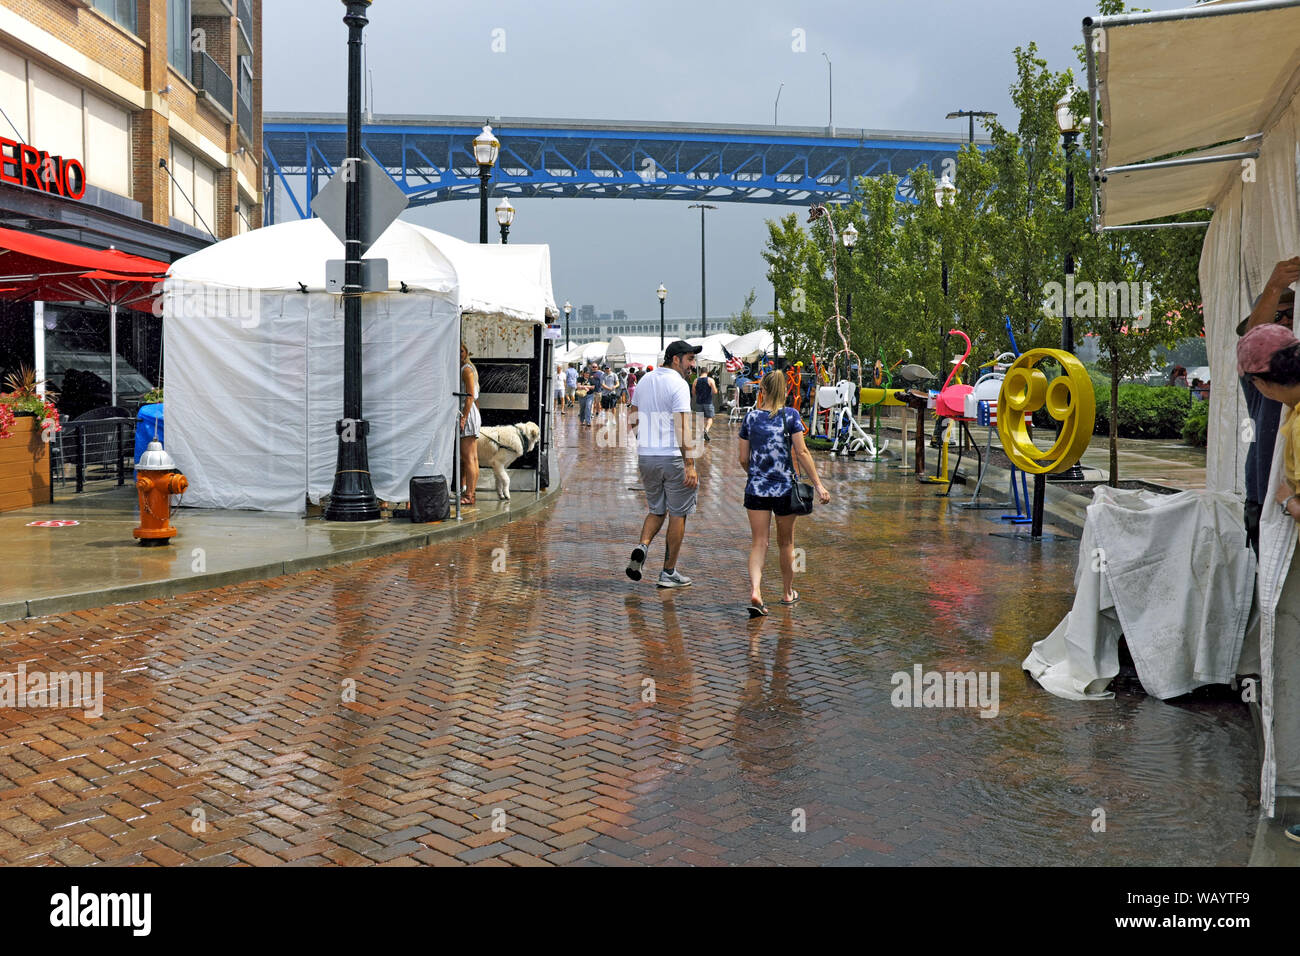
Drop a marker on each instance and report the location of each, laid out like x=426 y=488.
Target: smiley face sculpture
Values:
x=1068 y=399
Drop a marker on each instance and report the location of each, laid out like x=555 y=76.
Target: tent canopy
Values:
x=1176 y=82
x=630 y=349
x=713 y=345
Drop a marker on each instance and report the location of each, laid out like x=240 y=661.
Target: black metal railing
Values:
x=246 y=118
x=212 y=80
x=96 y=449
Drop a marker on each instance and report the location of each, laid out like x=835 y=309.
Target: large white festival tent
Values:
x=1173 y=88
x=253 y=346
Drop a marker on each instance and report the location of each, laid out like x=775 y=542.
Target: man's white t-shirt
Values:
x=659 y=395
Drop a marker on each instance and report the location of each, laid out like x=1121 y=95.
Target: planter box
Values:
x=24 y=466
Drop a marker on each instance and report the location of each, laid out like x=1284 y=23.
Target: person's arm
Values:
x=744 y=455
x=467 y=386
x=1284 y=274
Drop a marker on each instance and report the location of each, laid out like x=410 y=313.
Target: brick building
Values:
x=155 y=108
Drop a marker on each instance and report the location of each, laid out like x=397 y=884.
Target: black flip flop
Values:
x=793 y=602
x=758 y=610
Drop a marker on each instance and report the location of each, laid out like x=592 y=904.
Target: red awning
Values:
x=36 y=267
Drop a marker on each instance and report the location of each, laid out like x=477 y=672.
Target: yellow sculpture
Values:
x=1069 y=399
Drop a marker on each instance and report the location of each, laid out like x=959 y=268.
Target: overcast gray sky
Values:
x=898 y=64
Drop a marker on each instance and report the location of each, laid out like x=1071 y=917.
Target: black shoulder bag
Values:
x=801 y=493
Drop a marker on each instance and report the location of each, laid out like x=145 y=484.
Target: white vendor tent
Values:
x=253 y=346
x=712 y=347
x=748 y=347
x=1218 y=79
x=633 y=349
x=593 y=352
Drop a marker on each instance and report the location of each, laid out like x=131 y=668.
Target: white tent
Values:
x=633 y=349
x=253 y=345
x=1185 y=82
x=748 y=347
x=593 y=352
x=713 y=347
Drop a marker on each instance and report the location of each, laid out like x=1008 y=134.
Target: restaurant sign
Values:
x=24 y=165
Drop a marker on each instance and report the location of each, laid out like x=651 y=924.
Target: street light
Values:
x=663 y=294
x=567 y=309
x=776 y=336
x=1070 y=127
x=486 y=147
x=850 y=239
x=830 y=94
x=945 y=194
x=352 y=496
x=960 y=114
x=505 y=216
x=704 y=322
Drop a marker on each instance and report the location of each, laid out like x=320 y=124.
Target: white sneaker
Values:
x=674 y=580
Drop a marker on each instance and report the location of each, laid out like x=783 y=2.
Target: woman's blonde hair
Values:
x=773 y=391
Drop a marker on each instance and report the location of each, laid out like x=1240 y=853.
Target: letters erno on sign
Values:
x=24 y=165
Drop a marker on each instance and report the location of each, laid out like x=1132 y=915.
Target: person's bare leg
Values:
x=650 y=528
x=785 y=545
x=760 y=523
x=469 y=466
x=676 y=532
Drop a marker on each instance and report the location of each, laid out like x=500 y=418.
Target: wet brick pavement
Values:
x=512 y=686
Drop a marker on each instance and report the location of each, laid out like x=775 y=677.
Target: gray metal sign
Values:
x=381 y=201
x=374 y=275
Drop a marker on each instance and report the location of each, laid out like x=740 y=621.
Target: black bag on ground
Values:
x=430 y=500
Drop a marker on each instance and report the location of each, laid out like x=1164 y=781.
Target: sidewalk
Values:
x=98 y=562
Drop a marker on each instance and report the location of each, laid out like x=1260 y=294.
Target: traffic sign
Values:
x=381 y=201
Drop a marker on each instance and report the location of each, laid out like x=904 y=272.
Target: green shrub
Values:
x=1145 y=411
x=1197 y=424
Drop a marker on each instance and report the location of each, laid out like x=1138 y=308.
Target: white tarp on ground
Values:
x=254 y=373
x=1179 y=85
x=1172 y=574
x=630 y=349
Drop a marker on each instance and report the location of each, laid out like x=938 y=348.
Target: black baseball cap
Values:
x=680 y=348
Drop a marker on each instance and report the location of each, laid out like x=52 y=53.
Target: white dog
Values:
x=499 y=446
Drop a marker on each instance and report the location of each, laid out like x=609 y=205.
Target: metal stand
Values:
x=1036 y=519
x=974 y=504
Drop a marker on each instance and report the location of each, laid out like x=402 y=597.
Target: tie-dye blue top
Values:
x=769 y=462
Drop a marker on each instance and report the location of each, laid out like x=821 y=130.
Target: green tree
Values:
x=743 y=323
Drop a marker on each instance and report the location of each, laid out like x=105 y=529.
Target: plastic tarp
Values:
x=629 y=349
x=1171 y=573
x=254 y=373
x=1146 y=194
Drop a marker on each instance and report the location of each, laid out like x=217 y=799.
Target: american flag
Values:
x=734 y=364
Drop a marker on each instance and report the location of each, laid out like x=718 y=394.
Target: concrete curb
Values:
x=131 y=593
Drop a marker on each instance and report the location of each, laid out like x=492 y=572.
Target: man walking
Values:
x=705 y=396
x=661 y=416
x=570 y=386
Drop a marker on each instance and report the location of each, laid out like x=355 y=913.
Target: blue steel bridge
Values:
x=429 y=157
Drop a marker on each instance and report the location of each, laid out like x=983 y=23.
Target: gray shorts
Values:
x=663 y=478
x=706 y=409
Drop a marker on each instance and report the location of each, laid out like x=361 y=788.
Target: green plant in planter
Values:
x=22 y=399
x=152 y=397
x=1197 y=424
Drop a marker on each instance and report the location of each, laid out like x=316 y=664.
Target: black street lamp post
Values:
x=505 y=216
x=945 y=194
x=704 y=322
x=1069 y=126
x=663 y=294
x=567 y=309
x=850 y=239
x=776 y=337
x=352 y=497
x=485 y=154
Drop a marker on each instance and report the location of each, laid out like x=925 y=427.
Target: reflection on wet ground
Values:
x=611 y=722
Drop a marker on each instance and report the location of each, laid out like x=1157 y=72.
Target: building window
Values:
x=178 y=36
x=121 y=12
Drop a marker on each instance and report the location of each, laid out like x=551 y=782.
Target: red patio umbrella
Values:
x=37 y=268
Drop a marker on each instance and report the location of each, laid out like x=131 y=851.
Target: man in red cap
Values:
x=1275 y=304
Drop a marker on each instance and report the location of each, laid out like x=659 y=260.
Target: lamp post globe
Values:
x=1066 y=121
x=945 y=193
x=505 y=216
x=485 y=148
x=663 y=294
x=849 y=236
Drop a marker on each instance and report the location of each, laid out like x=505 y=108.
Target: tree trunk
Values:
x=1114 y=421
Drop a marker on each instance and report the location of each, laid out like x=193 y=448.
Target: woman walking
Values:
x=470 y=423
x=771 y=440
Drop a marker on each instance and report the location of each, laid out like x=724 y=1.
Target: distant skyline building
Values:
x=588 y=326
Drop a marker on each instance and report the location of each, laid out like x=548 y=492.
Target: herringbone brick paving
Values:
x=393 y=711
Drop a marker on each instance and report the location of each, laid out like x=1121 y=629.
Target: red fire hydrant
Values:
x=156 y=481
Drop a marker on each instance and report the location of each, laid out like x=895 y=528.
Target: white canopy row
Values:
x=644 y=350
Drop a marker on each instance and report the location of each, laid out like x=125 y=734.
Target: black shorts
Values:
x=608 y=400
x=779 y=505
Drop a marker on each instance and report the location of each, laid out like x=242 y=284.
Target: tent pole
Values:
x=112 y=352
x=1090 y=57
x=38 y=342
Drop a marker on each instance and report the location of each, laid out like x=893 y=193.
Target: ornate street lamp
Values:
x=945 y=194
x=485 y=147
x=505 y=216
x=567 y=309
x=1070 y=127
x=849 y=236
x=663 y=294
x=352 y=496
